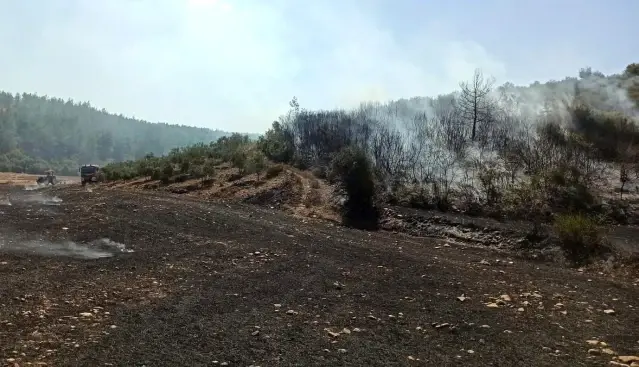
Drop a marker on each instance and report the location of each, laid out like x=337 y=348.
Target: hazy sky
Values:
x=235 y=64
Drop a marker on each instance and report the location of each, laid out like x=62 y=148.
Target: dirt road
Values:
x=28 y=180
x=117 y=278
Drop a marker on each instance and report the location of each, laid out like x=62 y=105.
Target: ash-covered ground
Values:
x=108 y=277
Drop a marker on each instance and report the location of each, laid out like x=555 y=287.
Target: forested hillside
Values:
x=39 y=132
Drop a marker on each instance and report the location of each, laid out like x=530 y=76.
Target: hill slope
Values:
x=562 y=153
x=39 y=132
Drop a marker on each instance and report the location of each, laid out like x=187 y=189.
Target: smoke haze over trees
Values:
x=480 y=143
x=482 y=146
x=545 y=145
x=38 y=133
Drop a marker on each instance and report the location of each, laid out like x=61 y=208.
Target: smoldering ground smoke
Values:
x=30 y=198
x=101 y=248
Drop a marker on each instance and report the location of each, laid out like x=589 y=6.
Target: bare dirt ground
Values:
x=114 y=277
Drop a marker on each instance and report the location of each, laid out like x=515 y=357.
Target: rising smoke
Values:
x=33 y=198
x=607 y=93
x=433 y=140
x=97 y=249
x=33 y=187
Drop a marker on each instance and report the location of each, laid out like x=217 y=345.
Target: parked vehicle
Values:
x=90 y=173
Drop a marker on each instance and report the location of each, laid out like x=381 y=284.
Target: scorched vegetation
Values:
x=562 y=152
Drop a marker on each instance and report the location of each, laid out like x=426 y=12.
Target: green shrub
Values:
x=238 y=159
x=579 y=237
x=209 y=168
x=185 y=166
x=274 y=170
x=319 y=172
x=182 y=177
x=156 y=173
x=413 y=196
x=196 y=171
x=277 y=144
x=255 y=162
x=352 y=169
x=167 y=169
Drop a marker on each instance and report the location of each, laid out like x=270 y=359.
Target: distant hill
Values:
x=40 y=132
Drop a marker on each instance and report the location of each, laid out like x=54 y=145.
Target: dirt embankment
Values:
x=289 y=189
x=302 y=194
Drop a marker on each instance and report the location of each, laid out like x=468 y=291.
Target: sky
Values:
x=234 y=64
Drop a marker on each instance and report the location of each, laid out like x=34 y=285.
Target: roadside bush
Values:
x=313 y=198
x=167 y=169
x=255 y=163
x=182 y=177
x=167 y=172
x=568 y=193
x=185 y=166
x=156 y=174
x=319 y=172
x=352 y=170
x=579 y=237
x=277 y=144
x=412 y=196
x=120 y=171
x=274 y=171
x=196 y=171
x=490 y=181
x=238 y=159
x=209 y=168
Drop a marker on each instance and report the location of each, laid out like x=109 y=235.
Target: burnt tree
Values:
x=475 y=103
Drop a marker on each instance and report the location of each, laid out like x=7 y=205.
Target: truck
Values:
x=90 y=173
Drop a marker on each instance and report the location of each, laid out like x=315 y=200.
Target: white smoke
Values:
x=101 y=248
x=37 y=198
x=527 y=103
x=32 y=187
x=607 y=93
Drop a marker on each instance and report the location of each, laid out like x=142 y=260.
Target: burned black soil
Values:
x=220 y=284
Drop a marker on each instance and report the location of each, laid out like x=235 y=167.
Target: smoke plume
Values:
x=101 y=248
